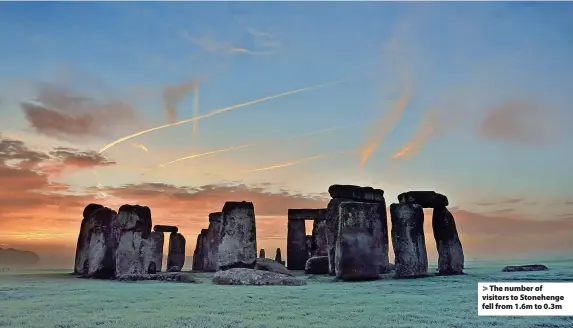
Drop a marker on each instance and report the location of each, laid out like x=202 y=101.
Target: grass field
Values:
x=54 y=298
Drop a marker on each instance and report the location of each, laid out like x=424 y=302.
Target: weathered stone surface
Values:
x=244 y=276
x=528 y=267
x=272 y=266
x=176 y=255
x=198 y=258
x=211 y=243
x=351 y=192
x=355 y=256
x=134 y=255
x=174 y=268
x=238 y=246
x=305 y=213
x=319 y=245
x=135 y=218
x=450 y=252
x=278 y=256
x=97 y=243
x=426 y=199
x=166 y=276
x=316 y=265
x=297 y=248
x=308 y=246
x=262 y=253
x=157 y=242
x=331 y=217
x=411 y=259
x=165 y=228
x=373 y=218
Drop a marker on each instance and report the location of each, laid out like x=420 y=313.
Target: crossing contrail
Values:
x=215 y=112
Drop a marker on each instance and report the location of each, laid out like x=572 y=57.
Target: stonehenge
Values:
x=408 y=235
x=349 y=239
x=299 y=247
x=115 y=244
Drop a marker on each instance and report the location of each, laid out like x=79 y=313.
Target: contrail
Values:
x=259 y=143
x=427 y=127
x=299 y=161
x=206 y=153
x=387 y=125
x=140 y=146
x=215 y=112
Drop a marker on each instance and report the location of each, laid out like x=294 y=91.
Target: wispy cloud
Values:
x=264 y=44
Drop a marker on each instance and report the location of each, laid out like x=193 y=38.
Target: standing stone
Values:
x=319 y=245
x=134 y=254
x=238 y=246
x=355 y=257
x=97 y=243
x=211 y=242
x=262 y=253
x=331 y=217
x=308 y=246
x=157 y=242
x=297 y=250
x=411 y=259
x=278 y=256
x=450 y=252
x=81 y=263
x=198 y=258
x=176 y=255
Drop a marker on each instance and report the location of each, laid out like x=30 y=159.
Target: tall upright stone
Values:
x=365 y=197
x=450 y=252
x=297 y=252
x=211 y=242
x=319 y=245
x=238 y=246
x=411 y=259
x=278 y=256
x=369 y=217
x=134 y=253
x=157 y=242
x=97 y=243
x=262 y=253
x=355 y=256
x=198 y=253
x=176 y=255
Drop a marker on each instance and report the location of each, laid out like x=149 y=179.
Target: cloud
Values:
x=173 y=95
x=519 y=122
x=80 y=159
x=506 y=201
x=263 y=44
x=58 y=111
x=15 y=150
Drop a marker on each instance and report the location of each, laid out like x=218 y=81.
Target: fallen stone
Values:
x=316 y=265
x=351 y=192
x=450 y=252
x=528 y=267
x=134 y=255
x=157 y=242
x=272 y=266
x=262 y=253
x=244 y=276
x=211 y=242
x=355 y=256
x=135 y=218
x=165 y=228
x=168 y=276
x=97 y=243
x=426 y=199
x=319 y=244
x=411 y=259
x=238 y=246
x=373 y=218
x=297 y=248
x=176 y=255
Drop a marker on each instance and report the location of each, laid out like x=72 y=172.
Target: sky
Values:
x=472 y=100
